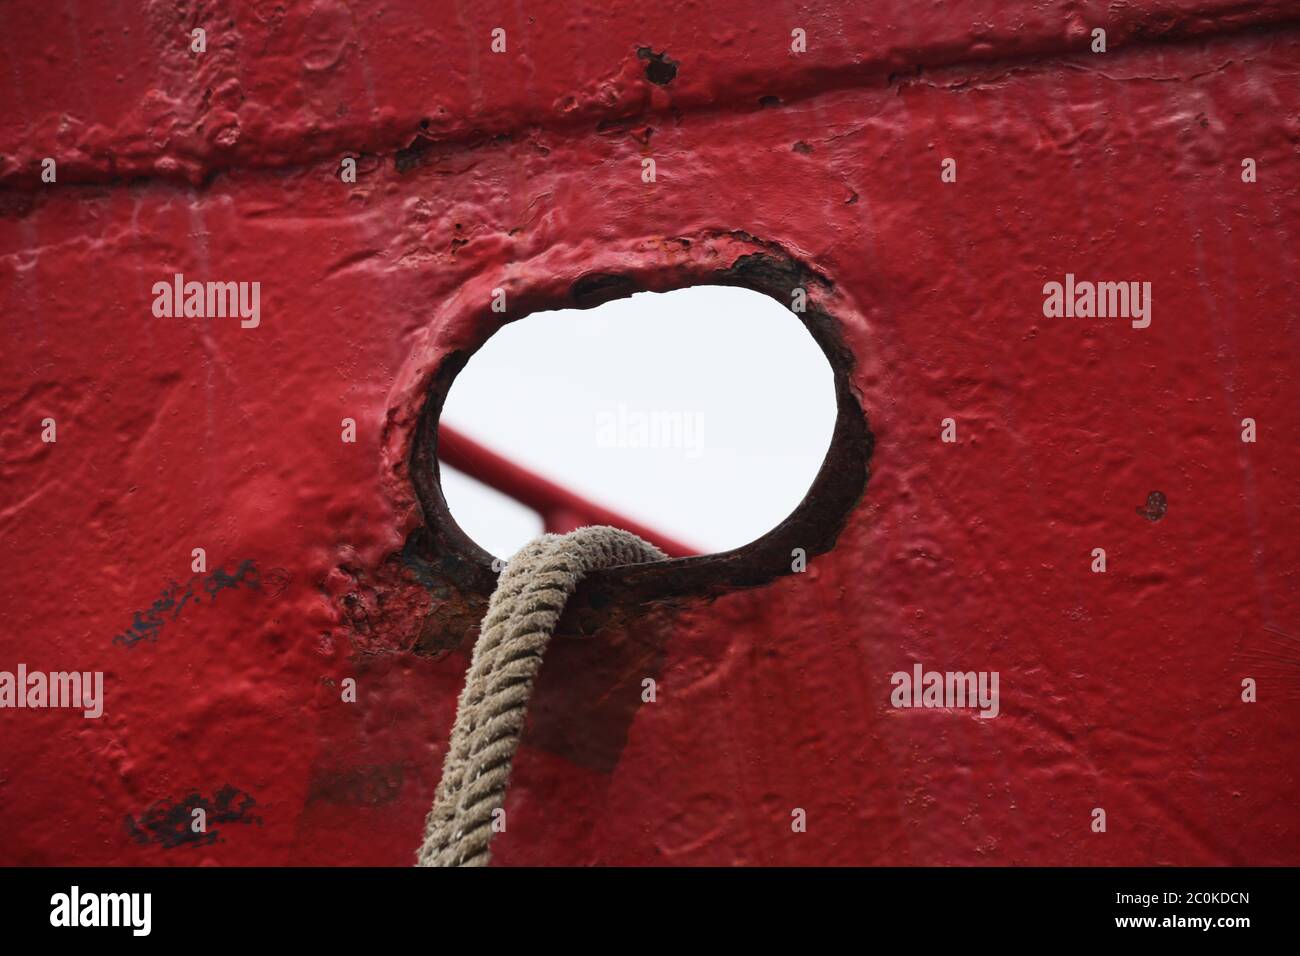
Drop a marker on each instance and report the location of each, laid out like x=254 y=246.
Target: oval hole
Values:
x=700 y=417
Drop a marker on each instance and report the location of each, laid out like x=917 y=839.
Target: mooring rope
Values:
x=521 y=617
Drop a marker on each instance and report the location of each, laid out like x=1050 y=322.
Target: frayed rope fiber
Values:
x=521 y=617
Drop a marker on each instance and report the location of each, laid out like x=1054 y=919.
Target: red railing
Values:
x=561 y=509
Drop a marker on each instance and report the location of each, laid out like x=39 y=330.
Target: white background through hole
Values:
x=704 y=413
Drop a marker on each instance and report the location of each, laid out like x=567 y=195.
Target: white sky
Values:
x=703 y=412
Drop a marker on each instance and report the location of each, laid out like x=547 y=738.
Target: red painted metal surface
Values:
x=523 y=171
x=561 y=509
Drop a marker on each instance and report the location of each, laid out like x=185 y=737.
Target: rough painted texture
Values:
x=1118 y=690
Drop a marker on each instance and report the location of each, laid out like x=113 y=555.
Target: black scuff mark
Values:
x=171 y=824
x=413 y=154
x=426 y=148
x=596 y=288
x=1155 y=508
x=659 y=69
x=147 y=623
x=901 y=77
